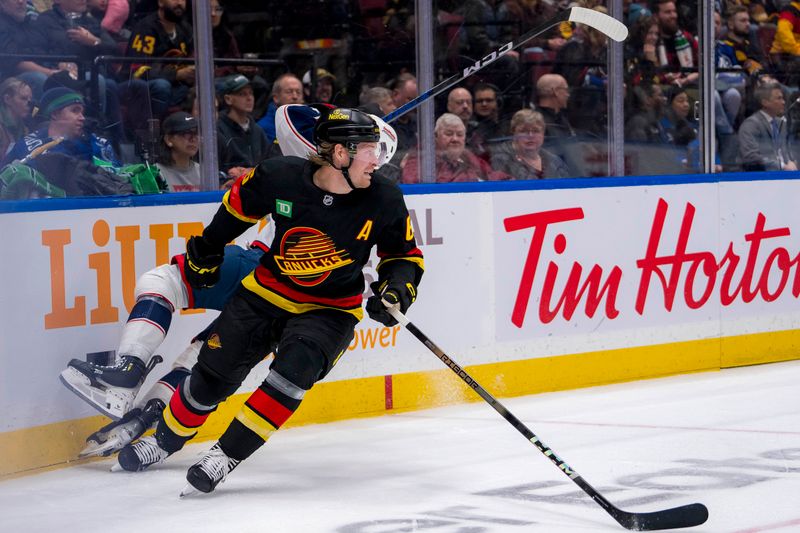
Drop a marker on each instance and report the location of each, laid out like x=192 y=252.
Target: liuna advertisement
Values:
x=621 y=282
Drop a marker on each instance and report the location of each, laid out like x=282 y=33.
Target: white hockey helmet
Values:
x=387 y=146
x=294 y=128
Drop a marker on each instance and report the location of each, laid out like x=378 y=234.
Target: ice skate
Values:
x=112 y=437
x=209 y=472
x=109 y=389
x=140 y=455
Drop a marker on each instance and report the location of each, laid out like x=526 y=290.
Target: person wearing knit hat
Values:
x=63 y=109
x=57 y=98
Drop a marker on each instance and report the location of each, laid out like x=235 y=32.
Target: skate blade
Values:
x=188 y=490
x=101 y=449
x=116 y=467
x=81 y=386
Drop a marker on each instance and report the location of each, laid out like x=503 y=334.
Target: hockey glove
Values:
x=396 y=293
x=202 y=263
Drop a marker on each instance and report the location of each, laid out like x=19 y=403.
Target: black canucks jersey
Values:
x=322 y=240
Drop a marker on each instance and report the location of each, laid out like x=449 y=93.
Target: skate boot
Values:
x=112 y=437
x=109 y=389
x=140 y=455
x=209 y=472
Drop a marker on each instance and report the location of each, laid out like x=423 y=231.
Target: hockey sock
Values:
x=165 y=387
x=181 y=420
x=146 y=327
x=262 y=414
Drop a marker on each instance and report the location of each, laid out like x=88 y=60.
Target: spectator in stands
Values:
x=677 y=48
x=64 y=111
x=459 y=103
x=645 y=110
x=377 y=100
x=164 y=33
x=242 y=144
x=404 y=90
x=225 y=43
x=748 y=53
x=180 y=143
x=70 y=29
x=287 y=89
x=480 y=36
x=633 y=11
x=679 y=128
x=15 y=112
x=763 y=139
x=553 y=97
x=785 y=49
x=641 y=62
x=18 y=36
x=518 y=15
x=324 y=91
x=454 y=161
x=488 y=128
x=582 y=60
x=112 y=15
x=522 y=157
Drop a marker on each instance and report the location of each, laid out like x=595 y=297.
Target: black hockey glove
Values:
x=396 y=293
x=202 y=263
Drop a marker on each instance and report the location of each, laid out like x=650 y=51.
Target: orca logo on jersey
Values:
x=307 y=256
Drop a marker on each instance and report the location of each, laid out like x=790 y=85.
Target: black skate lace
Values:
x=216 y=464
x=148 y=451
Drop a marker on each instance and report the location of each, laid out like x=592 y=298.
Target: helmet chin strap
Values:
x=345 y=170
x=346 y=173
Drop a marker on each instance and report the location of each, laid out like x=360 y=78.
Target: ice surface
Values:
x=729 y=439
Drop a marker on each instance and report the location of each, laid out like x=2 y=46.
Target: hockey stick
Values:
x=603 y=23
x=677 y=517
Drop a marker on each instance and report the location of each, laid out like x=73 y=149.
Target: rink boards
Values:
x=532 y=286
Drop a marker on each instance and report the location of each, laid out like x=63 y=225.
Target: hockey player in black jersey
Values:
x=305 y=295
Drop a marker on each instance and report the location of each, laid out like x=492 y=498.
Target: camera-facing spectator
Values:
x=180 y=142
x=454 y=161
x=325 y=85
x=641 y=62
x=677 y=48
x=15 y=112
x=287 y=89
x=488 y=125
x=523 y=157
x=242 y=143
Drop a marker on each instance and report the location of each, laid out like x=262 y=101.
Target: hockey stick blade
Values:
x=603 y=23
x=675 y=518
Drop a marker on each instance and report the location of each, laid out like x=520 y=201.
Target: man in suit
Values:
x=763 y=136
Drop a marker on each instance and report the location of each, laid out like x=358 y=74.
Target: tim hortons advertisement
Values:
x=662 y=264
